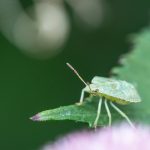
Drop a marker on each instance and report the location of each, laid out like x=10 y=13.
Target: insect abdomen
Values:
x=114 y=99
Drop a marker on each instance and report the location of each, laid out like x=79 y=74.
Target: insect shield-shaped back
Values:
x=119 y=91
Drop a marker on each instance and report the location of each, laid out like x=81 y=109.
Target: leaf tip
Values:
x=35 y=117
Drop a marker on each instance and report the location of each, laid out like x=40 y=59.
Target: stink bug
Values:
x=110 y=90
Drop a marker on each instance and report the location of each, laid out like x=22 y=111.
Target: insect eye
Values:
x=97 y=90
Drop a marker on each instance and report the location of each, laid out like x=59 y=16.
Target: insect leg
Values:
x=108 y=111
x=122 y=114
x=98 y=112
x=81 y=98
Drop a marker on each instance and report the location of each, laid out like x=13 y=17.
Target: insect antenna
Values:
x=75 y=71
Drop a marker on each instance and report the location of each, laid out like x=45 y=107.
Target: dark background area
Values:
x=29 y=85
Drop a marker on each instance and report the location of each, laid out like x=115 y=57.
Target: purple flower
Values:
x=121 y=137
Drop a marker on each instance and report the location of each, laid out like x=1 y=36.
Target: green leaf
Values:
x=135 y=68
x=79 y=113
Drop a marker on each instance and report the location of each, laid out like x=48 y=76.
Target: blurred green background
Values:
x=29 y=85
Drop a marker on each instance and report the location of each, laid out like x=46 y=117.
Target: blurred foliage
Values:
x=29 y=85
x=136 y=69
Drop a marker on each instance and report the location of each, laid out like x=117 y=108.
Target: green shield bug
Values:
x=110 y=90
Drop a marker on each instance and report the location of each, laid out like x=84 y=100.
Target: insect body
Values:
x=110 y=90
